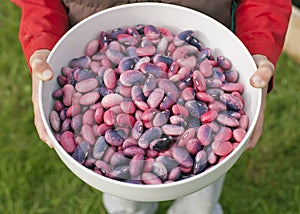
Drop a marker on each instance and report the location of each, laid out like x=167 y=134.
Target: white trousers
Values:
x=204 y=201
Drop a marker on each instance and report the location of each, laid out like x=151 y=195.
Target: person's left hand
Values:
x=260 y=79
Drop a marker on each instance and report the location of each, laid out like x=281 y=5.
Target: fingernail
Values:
x=47 y=74
x=257 y=81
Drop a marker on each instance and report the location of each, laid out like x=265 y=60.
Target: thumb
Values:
x=264 y=72
x=40 y=68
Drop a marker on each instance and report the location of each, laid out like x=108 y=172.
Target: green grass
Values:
x=34 y=180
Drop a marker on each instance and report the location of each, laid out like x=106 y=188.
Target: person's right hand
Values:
x=40 y=71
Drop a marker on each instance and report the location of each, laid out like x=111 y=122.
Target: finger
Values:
x=264 y=72
x=258 y=129
x=37 y=114
x=40 y=68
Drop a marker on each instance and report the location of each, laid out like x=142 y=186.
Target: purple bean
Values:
x=200 y=162
x=120 y=173
x=81 y=152
x=182 y=157
x=148 y=136
x=150 y=68
x=159 y=169
x=132 y=77
x=114 y=138
x=161 y=118
x=118 y=159
x=149 y=85
x=174 y=174
x=81 y=62
x=100 y=147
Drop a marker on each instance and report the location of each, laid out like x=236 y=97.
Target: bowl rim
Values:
x=56 y=144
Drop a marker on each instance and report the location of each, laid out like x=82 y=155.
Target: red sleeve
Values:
x=262 y=24
x=43 y=22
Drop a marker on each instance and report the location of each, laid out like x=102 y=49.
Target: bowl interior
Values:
x=211 y=33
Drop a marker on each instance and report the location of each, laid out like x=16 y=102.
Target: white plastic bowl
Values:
x=211 y=33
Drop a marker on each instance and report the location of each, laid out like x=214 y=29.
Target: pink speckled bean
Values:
x=222 y=148
x=111 y=100
x=67 y=141
x=110 y=78
x=155 y=97
x=68 y=92
x=136 y=165
x=239 y=134
x=204 y=134
x=89 y=98
x=88 y=134
x=88 y=118
x=150 y=178
x=186 y=136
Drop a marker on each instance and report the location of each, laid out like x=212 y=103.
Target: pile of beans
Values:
x=146 y=106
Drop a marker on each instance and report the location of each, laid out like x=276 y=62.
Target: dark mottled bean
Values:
x=161 y=144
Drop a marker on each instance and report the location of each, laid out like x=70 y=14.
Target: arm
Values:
x=43 y=22
x=261 y=25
